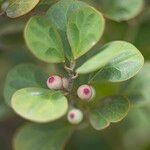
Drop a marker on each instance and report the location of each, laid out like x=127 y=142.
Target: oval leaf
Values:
x=117 y=61
x=58 y=14
x=121 y=10
x=18 y=8
x=138 y=88
x=43 y=40
x=114 y=108
x=21 y=76
x=39 y=105
x=42 y=137
x=97 y=121
x=110 y=110
x=84 y=29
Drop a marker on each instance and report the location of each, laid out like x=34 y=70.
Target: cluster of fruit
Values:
x=84 y=92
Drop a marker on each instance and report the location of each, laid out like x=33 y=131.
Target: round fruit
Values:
x=54 y=82
x=85 y=92
x=75 y=116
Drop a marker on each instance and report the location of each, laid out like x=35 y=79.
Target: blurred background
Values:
x=133 y=133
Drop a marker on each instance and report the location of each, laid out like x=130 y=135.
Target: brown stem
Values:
x=71 y=78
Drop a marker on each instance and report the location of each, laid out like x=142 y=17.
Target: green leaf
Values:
x=21 y=76
x=84 y=29
x=114 y=108
x=138 y=88
x=43 y=40
x=121 y=10
x=18 y=8
x=39 y=105
x=117 y=61
x=110 y=110
x=42 y=137
x=97 y=121
x=58 y=15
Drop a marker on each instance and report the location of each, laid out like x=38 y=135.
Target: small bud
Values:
x=54 y=82
x=75 y=116
x=86 y=92
x=65 y=83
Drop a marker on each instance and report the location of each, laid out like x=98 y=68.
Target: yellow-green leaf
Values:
x=39 y=105
x=117 y=61
x=18 y=8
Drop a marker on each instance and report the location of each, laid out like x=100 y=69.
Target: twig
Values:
x=72 y=75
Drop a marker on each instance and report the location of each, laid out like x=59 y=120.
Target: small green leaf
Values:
x=84 y=29
x=42 y=137
x=138 y=88
x=110 y=110
x=39 y=105
x=43 y=40
x=121 y=10
x=117 y=61
x=21 y=76
x=18 y=8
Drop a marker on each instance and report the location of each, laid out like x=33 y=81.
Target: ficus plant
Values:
x=68 y=96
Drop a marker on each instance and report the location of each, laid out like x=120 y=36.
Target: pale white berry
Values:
x=65 y=83
x=84 y=92
x=75 y=116
x=54 y=82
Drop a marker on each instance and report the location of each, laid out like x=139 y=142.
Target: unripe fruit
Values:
x=75 y=116
x=54 y=82
x=86 y=92
x=65 y=83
